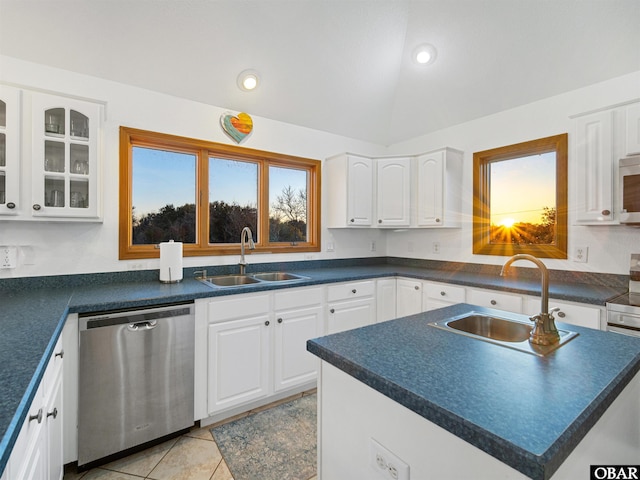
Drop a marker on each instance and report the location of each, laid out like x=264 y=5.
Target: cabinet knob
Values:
x=353 y=291
x=379 y=221
x=36 y=206
x=53 y=413
x=267 y=323
x=60 y=354
x=437 y=220
x=606 y=212
x=443 y=293
x=352 y=220
x=37 y=416
x=279 y=320
x=333 y=310
x=493 y=302
x=562 y=314
x=417 y=287
x=11 y=205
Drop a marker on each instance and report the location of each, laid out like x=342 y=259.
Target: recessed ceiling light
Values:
x=425 y=54
x=248 y=80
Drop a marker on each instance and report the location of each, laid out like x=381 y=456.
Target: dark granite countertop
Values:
x=33 y=310
x=461 y=383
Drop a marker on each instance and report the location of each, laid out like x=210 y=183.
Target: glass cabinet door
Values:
x=9 y=150
x=65 y=153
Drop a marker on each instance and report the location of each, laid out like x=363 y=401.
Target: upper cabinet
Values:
x=402 y=192
x=601 y=139
x=50 y=160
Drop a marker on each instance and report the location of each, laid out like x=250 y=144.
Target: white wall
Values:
x=609 y=247
x=63 y=248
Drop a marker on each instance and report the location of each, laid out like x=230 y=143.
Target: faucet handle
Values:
x=203 y=273
x=554 y=310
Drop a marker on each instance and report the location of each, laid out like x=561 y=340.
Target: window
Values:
x=203 y=194
x=520 y=199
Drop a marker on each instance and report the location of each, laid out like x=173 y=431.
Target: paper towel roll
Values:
x=170 y=261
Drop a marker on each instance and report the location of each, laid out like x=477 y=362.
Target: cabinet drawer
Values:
x=444 y=292
x=297 y=297
x=569 y=313
x=493 y=299
x=237 y=306
x=346 y=291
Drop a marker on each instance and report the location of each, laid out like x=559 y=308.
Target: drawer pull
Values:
x=606 y=213
x=333 y=310
x=562 y=314
x=279 y=320
x=267 y=323
x=53 y=413
x=443 y=293
x=37 y=416
x=60 y=354
x=353 y=291
x=493 y=302
x=352 y=220
x=417 y=287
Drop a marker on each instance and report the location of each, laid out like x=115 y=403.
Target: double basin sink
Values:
x=501 y=331
x=250 y=279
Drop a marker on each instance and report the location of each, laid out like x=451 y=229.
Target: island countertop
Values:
x=490 y=396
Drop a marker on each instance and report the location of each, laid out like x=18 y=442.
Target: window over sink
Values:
x=203 y=194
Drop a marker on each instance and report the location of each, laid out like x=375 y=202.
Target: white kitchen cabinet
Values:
x=350 y=305
x=385 y=299
x=238 y=350
x=632 y=144
x=349 y=181
x=494 y=299
x=393 y=192
x=37 y=453
x=437 y=295
x=575 y=314
x=438 y=188
x=299 y=317
x=9 y=150
x=408 y=297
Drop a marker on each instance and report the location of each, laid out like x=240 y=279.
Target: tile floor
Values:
x=193 y=456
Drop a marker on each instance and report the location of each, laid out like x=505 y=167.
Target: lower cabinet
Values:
x=575 y=314
x=350 y=305
x=438 y=295
x=408 y=297
x=385 y=299
x=493 y=299
x=37 y=454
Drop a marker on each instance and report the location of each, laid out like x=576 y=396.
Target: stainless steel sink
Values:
x=230 y=280
x=251 y=279
x=276 y=276
x=500 y=331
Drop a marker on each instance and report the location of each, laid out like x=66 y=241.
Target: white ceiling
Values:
x=341 y=66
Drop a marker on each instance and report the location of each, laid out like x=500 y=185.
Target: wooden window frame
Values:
x=481 y=197
x=130 y=137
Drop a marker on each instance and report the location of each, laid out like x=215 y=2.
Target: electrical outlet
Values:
x=388 y=465
x=435 y=247
x=8 y=257
x=581 y=254
x=372 y=246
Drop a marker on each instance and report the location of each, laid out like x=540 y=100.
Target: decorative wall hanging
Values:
x=238 y=127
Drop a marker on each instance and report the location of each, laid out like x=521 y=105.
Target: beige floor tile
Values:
x=142 y=463
x=101 y=474
x=189 y=459
x=74 y=475
x=203 y=433
x=222 y=472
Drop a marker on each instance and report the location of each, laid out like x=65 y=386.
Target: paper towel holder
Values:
x=171 y=262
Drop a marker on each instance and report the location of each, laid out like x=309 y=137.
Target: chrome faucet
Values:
x=246 y=235
x=544 y=330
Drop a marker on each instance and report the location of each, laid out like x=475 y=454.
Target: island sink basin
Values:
x=500 y=331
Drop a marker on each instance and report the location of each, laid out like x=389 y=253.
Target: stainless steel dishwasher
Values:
x=135 y=378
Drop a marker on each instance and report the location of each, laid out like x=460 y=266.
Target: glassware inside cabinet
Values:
x=53 y=156
x=54 y=192
x=3 y=150
x=79 y=125
x=54 y=121
x=79 y=196
x=3 y=114
x=79 y=159
x=3 y=189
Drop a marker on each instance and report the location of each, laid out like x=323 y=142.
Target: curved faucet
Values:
x=246 y=235
x=544 y=330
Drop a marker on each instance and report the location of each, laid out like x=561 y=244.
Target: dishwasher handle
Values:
x=146 y=325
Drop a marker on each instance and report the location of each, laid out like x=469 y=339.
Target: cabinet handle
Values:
x=53 y=413
x=353 y=291
x=417 y=287
x=333 y=310
x=36 y=206
x=443 y=293
x=562 y=314
x=437 y=220
x=493 y=302
x=379 y=221
x=11 y=205
x=60 y=354
x=352 y=220
x=606 y=212
x=37 y=416
x=279 y=320
x=267 y=323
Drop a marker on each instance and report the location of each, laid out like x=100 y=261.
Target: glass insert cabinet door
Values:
x=65 y=157
x=9 y=150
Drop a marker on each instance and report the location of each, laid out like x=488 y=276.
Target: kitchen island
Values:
x=455 y=407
